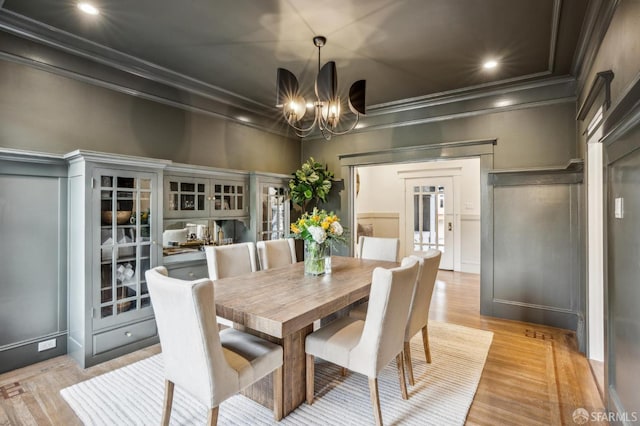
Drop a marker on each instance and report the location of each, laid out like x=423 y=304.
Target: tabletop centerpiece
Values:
x=319 y=230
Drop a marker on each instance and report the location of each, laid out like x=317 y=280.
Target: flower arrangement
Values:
x=319 y=227
x=319 y=230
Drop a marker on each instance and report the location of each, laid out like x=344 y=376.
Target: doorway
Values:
x=429 y=222
x=446 y=215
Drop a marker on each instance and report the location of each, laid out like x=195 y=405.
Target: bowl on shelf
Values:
x=122 y=217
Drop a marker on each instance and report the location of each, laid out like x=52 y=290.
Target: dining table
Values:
x=282 y=304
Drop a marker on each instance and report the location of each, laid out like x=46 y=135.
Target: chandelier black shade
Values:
x=326 y=105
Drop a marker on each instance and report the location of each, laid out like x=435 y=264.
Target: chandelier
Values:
x=326 y=105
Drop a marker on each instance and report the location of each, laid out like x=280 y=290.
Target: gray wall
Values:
x=531 y=137
x=45 y=112
x=620 y=53
x=623 y=293
x=41 y=111
x=33 y=261
x=518 y=229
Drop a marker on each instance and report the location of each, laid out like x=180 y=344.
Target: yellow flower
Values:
x=325 y=224
x=295 y=229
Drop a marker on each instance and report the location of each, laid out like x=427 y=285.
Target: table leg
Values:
x=294 y=372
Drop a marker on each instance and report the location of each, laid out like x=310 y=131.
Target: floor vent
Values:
x=535 y=334
x=10 y=390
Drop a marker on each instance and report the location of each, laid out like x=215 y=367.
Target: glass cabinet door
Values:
x=126 y=219
x=274 y=221
x=229 y=199
x=185 y=197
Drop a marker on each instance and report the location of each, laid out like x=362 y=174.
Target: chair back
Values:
x=230 y=260
x=276 y=253
x=421 y=301
x=383 y=334
x=191 y=349
x=377 y=248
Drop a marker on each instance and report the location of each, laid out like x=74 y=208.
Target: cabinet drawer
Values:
x=123 y=336
x=189 y=272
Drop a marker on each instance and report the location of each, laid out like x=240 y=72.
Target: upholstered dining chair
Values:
x=229 y=261
x=210 y=365
x=378 y=248
x=366 y=347
x=276 y=253
x=420 y=303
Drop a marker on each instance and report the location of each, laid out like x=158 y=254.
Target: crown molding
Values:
x=508 y=98
x=594 y=28
x=80 y=155
x=54 y=37
x=75 y=57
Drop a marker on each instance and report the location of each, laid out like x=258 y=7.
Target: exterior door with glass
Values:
x=430 y=217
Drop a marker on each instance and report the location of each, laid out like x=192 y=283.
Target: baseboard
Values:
x=21 y=356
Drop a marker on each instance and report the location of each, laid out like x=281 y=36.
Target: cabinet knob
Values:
x=127 y=333
x=191 y=274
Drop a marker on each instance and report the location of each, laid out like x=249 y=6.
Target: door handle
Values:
x=450 y=226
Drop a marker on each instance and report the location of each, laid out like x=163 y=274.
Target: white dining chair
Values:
x=378 y=248
x=420 y=303
x=276 y=253
x=230 y=261
x=210 y=365
x=366 y=347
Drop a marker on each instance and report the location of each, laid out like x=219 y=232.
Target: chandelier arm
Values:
x=344 y=132
x=302 y=129
x=326 y=136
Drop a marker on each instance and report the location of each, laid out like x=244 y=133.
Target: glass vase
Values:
x=314 y=257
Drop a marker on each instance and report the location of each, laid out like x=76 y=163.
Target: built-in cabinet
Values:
x=102 y=229
x=201 y=197
x=114 y=228
x=201 y=204
x=270 y=218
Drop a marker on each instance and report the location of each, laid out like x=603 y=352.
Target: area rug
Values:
x=443 y=393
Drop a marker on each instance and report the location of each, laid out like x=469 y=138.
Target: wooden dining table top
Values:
x=280 y=301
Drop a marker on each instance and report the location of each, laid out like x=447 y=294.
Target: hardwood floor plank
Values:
x=526 y=380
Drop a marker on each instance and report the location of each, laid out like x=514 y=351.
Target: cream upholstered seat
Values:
x=276 y=253
x=420 y=303
x=368 y=346
x=210 y=365
x=378 y=248
x=229 y=261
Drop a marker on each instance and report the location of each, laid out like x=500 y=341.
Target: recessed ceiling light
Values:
x=243 y=118
x=88 y=8
x=490 y=64
x=503 y=103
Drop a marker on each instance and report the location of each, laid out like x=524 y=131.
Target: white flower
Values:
x=336 y=228
x=317 y=233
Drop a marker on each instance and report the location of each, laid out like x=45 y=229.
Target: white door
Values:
x=430 y=218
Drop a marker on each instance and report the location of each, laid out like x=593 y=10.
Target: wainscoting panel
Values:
x=537 y=236
x=33 y=286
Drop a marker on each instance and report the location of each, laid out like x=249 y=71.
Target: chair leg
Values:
x=277 y=394
x=375 y=400
x=407 y=362
x=168 y=402
x=310 y=377
x=343 y=371
x=425 y=342
x=403 y=384
x=213 y=417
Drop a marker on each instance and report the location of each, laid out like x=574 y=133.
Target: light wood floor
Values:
x=534 y=375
